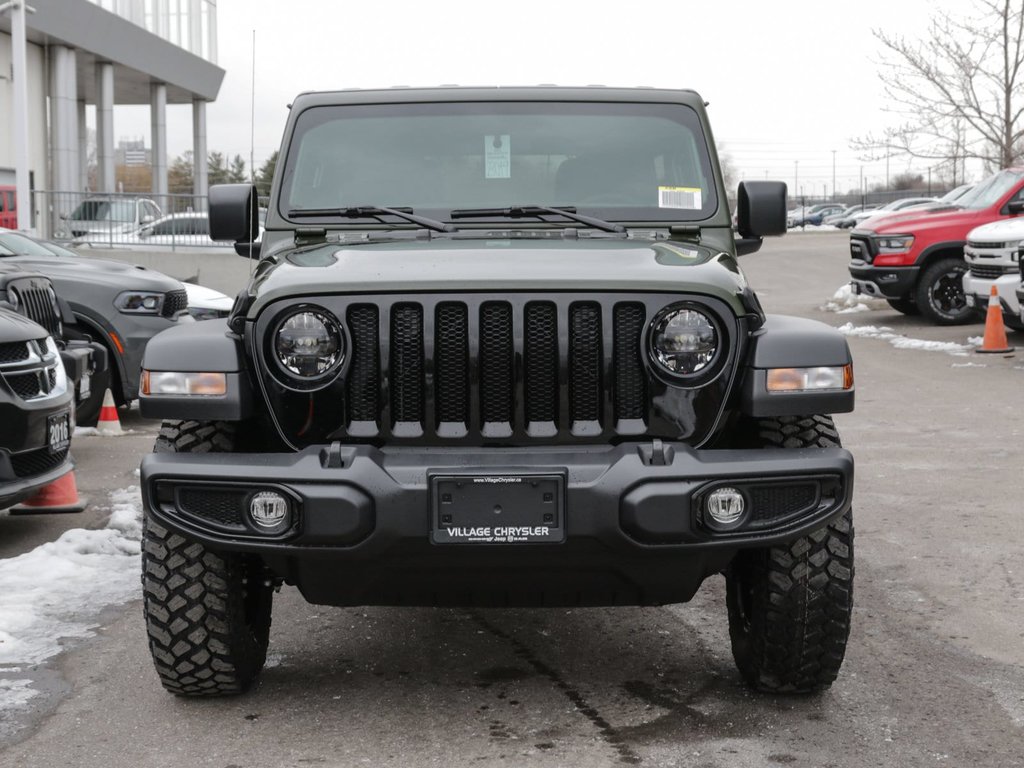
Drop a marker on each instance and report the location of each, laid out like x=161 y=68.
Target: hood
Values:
x=201 y=297
x=999 y=231
x=499 y=265
x=915 y=222
x=68 y=272
x=15 y=328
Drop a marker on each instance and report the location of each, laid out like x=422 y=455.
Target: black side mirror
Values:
x=761 y=209
x=233 y=209
x=1015 y=206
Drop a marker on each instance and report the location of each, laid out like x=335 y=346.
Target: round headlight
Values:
x=309 y=344
x=684 y=341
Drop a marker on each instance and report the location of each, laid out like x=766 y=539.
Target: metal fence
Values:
x=124 y=220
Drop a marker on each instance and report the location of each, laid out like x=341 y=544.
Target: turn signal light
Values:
x=180 y=383
x=810 y=379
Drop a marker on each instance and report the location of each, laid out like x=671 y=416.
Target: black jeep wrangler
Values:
x=497 y=350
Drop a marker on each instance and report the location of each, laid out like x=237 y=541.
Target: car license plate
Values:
x=497 y=509
x=58 y=432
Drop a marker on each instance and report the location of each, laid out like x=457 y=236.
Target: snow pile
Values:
x=56 y=590
x=902 y=342
x=845 y=302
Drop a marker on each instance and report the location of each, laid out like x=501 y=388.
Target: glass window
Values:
x=991 y=190
x=104 y=210
x=618 y=161
x=21 y=245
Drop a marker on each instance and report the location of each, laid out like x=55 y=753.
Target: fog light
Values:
x=724 y=506
x=269 y=511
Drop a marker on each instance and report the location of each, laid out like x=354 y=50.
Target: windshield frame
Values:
x=679 y=112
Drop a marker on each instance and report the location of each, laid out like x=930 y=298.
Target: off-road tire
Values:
x=904 y=305
x=940 y=293
x=790 y=605
x=207 y=613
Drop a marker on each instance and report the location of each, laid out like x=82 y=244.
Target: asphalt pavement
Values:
x=934 y=673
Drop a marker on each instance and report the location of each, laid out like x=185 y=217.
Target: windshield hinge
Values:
x=685 y=230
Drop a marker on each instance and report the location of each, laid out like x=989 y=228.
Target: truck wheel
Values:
x=940 y=293
x=790 y=605
x=207 y=613
x=1013 y=323
x=905 y=305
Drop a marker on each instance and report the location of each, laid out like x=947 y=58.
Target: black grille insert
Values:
x=32 y=463
x=223 y=508
x=407 y=365
x=497 y=365
x=175 y=302
x=364 y=375
x=451 y=363
x=630 y=377
x=13 y=352
x=585 y=362
x=25 y=385
x=540 y=361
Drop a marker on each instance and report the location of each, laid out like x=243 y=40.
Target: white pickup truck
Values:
x=993 y=258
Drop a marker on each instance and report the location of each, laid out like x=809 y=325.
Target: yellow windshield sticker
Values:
x=685 y=198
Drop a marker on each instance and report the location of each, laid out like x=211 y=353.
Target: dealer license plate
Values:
x=497 y=509
x=58 y=432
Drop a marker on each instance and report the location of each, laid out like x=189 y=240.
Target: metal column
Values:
x=19 y=74
x=158 y=140
x=200 y=172
x=105 y=181
x=64 y=132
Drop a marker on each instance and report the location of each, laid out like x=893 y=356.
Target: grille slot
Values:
x=38 y=307
x=13 y=352
x=775 y=502
x=25 y=385
x=31 y=463
x=540 y=362
x=451 y=363
x=364 y=376
x=497 y=365
x=585 y=362
x=986 y=272
x=220 y=507
x=406 y=374
x=630 y=380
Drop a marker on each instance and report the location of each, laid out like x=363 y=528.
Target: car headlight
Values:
x=309 y=346
x=684 y=341
x=139 y=302
x=895 y=244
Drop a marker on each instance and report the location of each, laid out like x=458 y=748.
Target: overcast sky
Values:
x=787 y=81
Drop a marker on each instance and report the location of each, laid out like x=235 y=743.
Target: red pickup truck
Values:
x=915 y=260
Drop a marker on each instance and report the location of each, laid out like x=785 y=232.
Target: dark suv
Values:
x=497 y=350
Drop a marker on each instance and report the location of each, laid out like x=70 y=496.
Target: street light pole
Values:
x=19 y=74
x=833 y=175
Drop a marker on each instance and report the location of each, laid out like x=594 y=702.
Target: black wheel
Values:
x=940 y=293
x=790 y=605
x=1013 y=323
x=207 y=613
x=904 y=304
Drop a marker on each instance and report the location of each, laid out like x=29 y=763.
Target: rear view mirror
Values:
x=761 y=209
x=233 y=209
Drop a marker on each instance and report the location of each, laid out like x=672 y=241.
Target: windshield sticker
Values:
x=687 y=198
x=498 y=157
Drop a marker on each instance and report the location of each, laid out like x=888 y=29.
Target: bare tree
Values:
x=957 y=89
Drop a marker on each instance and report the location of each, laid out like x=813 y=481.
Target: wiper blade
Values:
x=537 y=211
x=373 y=212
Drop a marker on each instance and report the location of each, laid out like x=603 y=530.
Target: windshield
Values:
x=991 y=190
x=104 y=210
x=616 y=161
x=13 y=244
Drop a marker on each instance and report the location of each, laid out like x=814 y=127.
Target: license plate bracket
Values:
x=58 y=432
x=484 y=509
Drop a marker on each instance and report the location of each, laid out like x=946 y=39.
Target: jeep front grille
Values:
x=511 y=368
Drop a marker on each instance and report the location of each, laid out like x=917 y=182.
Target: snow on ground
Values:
x=845 y=302
x=58 y=589
x=903 y=342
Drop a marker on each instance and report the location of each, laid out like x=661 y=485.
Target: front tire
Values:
x=207 y=613
x=904 y=305
x=790 y=605
x=940 y=293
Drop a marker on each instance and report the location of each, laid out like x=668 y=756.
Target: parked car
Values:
x=120 y=305
x=915 y=260
x=178 y=230
x=205 y=303
x=814 y=215
x=847 y=220
x=992 y=254
x=35 y=409
x=107 y=219
x=32 y=295
x=8 y=208
x=795 y=214
x=891 y=207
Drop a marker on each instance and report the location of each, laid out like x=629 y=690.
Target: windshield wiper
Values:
x=537 y=211
x=373 y=212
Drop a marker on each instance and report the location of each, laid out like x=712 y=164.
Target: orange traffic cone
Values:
x=108 y=422
x=995 y=334
x=59 y=496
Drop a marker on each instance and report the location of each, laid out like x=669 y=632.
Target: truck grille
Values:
x=36 y=299
x=985 y=272
x=476 y=368
x=13 y=352
x=175 y=302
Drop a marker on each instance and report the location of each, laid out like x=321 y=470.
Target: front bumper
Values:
x=977 y=291
x=633 y=518
x=882 y=282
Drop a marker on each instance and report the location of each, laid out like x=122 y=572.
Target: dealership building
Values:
x=98 y=54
